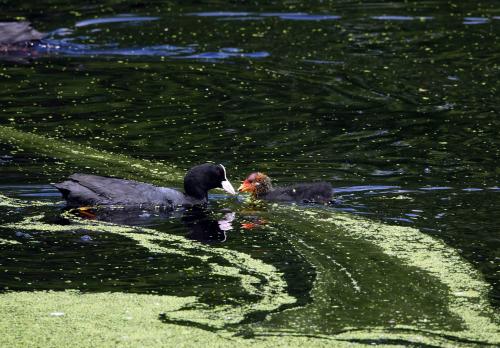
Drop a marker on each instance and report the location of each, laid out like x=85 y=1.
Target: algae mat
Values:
x=119 y=319
x=70 y=319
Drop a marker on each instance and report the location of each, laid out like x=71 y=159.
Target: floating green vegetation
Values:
x=465 y=292
x=256 y=277
x=101 y=162
x=119 y=319
x=8 y=241
x=385 y=283
x=73 y=319
x=18 y=203
x=70 y=318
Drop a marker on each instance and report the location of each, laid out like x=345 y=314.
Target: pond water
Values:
x=394 y=103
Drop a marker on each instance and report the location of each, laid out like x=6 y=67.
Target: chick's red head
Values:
x=256 y=183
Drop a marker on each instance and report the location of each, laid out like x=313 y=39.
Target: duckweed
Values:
x=256 y=277
x=466 y=297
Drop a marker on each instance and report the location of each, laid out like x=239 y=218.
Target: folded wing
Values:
x=84 y=189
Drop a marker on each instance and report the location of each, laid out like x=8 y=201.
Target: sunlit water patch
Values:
x=68 y=48
x=475 y=20
x=84 y=42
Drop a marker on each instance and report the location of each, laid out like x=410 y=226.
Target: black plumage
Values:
x=259 y=185
x=93 y=190
x=320 y=192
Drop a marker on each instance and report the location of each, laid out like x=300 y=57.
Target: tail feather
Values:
x=76 y=194
x=63 y=188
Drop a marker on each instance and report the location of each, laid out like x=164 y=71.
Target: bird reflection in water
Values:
x=202 y=226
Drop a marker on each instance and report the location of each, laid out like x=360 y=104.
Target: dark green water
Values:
x=394 y=103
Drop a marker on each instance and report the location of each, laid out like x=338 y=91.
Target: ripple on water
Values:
x=233 y=53
x=118 y=19
x=400 y=18
x=219 y=14
x=292 y=16
x=298 y=16
x=475 y=20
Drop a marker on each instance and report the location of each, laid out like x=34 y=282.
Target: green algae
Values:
x=63 y=319
x=357 y=285
x=71 y=318
x=8 y=241
x=468 y=291
x=74 y=319
x=470 y=316
x=190 y=311
x=466 y=297
x=10 y=202
x=102 y=162
x=113 y=326
x=256 y=277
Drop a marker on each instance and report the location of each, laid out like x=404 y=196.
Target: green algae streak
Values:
x=256 y=277
x=8 y=241
x=100 y=162
x=8 y=202
x=467 y=289
x=466 y=295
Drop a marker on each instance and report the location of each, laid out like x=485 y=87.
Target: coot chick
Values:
x=259 y=185
x=91 y=190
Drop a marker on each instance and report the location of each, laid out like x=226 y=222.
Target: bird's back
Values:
x=320 y=192
x=84 y=189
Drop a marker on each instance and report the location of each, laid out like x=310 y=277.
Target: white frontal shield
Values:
x=226 y=185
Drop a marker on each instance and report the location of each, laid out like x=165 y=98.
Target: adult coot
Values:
x=85 y=190
x=259 y=185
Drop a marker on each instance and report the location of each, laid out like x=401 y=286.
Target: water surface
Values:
x=393 y=103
